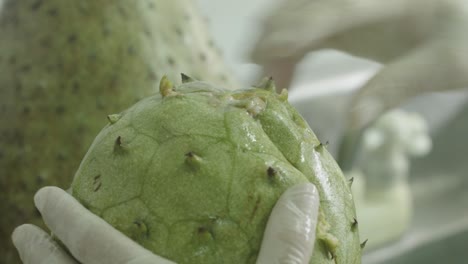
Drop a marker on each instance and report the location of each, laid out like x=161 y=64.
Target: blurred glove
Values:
x=424 y=44
x=289 y=236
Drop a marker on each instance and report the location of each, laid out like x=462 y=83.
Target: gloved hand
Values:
x=289 y=236
x=423 y=43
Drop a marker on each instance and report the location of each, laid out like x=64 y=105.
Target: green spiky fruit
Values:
x=193 y=173
x=64 y=64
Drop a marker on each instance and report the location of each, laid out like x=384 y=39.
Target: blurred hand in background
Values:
x=423 y=44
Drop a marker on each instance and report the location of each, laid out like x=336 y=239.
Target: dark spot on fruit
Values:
x=147 y=32
x=60 y=157
x=152 y=75
x=123 y=12
x=81 y=129
x=178 y=31
x=49 y=68
x=271 y=173
x=211 y=43
x=170 y=61
x=26 y=110
x=202 y=56
x=60 y=109
x=106 y=31
x=25 y=68
x=39 y=179
x=36 y=5
x=113 y=82
x=12 y=60
x=72 y=38
x=53 y=12
x=202 y=230
x=92 y=56
x=38 y=90
x=18 y=87
x=151 y=5
x=45 y=42
x=23 y=185
x=97 y=183
x=83 y=8
x=75 y=87
x=131 y=50
x=18 y=138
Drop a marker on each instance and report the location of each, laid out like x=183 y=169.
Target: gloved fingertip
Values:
x=41 y=196
x=304 y=195
x=18 y=234
x=307 y=187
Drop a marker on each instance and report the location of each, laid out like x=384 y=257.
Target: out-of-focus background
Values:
x=437 y=207
x=411 y=174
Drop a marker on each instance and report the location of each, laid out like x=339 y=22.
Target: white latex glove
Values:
x=424 y=44
x=289 y=236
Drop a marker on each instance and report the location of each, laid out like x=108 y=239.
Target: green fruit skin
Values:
x=66 y=64
x=193 y=175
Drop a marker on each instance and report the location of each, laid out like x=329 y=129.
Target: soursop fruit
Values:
x=192 y=174
x=64 y=64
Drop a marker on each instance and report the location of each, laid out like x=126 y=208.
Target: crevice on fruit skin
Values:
x=97 y=183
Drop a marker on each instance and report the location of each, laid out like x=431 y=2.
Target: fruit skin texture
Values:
x=193 y=173
x=64 y=65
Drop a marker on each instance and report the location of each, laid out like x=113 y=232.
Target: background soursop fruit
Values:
x=64 y=65
x=192 y=174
